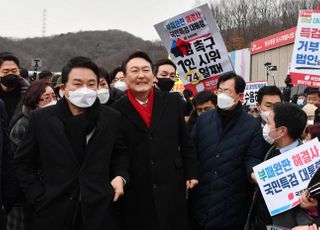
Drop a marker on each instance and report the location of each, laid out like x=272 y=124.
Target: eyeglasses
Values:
x=48 y=98
x=226 y=91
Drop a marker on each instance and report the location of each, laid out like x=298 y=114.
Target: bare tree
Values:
x=253 y=19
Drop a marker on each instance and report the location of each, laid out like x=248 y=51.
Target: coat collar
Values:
x=159 y=104
x=59 y=113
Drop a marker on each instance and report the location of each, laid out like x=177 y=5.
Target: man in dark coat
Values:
x=12 y=87
x=72 y=161
x=7 y=182
x=163 y=164
x=229 y=143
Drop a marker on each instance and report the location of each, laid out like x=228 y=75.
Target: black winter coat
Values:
x=162 y=158
x=7 y=178
x=63 y=180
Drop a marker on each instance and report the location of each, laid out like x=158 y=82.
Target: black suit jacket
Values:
x=63 y=180
x=162 y=158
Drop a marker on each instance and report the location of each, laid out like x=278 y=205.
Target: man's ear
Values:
x=155 y=79
x=63 y=89
x=284 y=131
x=241 y=96
x=258 y=106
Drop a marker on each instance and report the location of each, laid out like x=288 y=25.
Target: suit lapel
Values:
x=159 y=104
x=129 y=111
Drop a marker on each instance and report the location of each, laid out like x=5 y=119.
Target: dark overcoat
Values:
x=162 y=158
x=7 y=179
x=55 y=181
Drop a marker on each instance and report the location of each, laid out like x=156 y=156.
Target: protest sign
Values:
x=282 y=179
x=305 y=64
x=250 y=93
x=195 y=45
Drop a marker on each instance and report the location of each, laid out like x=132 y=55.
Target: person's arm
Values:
x=120 y=162
x=9 y=181
x=187 y=151
x=25 y=163
x=255 y=152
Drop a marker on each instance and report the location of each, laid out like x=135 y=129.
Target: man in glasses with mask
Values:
x=229 y=144
x=72 y=162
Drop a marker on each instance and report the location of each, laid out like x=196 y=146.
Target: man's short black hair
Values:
x=44 y=74
x=114 y=72
x=78 y=62
x=163 y=62
x=310 y=90
x=292 y=117
x=7 y=56
x=240 y=84
x=203 y=97
x=268 y=90
x=137 y=54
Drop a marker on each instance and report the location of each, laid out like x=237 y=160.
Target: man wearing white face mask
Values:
x=266 y=97
x=229 y=143
x=80 y=173
x=286 y=123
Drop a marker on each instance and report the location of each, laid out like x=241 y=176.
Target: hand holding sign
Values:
x=284 y=178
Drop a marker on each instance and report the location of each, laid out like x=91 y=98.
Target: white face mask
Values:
x=225 y=102
x=121 y=85
x=300 y=102
x=103 y=95
x=83 y=97
x=49 y=104
x=265 y=132
x=264 y=115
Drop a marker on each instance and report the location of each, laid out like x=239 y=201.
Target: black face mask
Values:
x=10 y=80
x=165 y=84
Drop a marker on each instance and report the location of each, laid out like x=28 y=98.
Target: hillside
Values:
x=107 y=48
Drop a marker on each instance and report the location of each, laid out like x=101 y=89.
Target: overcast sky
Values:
x=21 y=19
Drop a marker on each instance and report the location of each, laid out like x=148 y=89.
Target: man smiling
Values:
x=162 y=158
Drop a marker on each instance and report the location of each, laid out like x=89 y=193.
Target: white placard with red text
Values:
x=283 y=178
x=305 y=63
x=196 y=46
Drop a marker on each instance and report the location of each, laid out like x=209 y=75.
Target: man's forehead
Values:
x=313 y=95
x=9 y=64
x=167 y=67
x=138 y=62
x=271 y=99
x=228 y=84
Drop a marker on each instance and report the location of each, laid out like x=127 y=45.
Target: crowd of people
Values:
x=92 y=150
